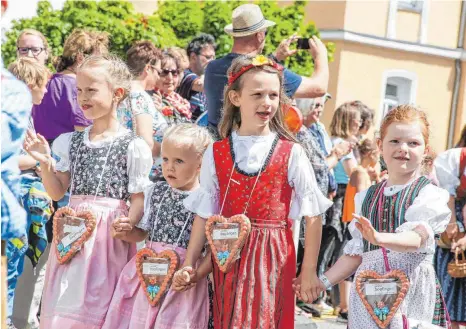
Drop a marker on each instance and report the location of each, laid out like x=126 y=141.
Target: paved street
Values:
x=328 y=322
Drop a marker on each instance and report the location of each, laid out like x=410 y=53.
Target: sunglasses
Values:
x=34 y=50
x=164 y=73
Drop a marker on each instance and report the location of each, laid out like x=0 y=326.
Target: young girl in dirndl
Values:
x=105 y=167
x=401 y=216
x=166 y=225
x=258 y=170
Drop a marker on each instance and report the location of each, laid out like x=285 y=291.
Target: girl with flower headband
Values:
x=258 y=170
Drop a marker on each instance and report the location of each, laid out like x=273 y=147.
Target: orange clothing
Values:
x=348 y=206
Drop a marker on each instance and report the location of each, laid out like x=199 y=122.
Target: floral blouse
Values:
x=173 y=107
x=140 y=102
x=163 y=207
x=317 y=158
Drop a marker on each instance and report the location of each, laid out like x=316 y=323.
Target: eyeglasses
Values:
x=34 y=50
x=211 y=57
x=165 y=73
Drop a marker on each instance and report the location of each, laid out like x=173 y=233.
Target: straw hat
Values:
x=247 y=19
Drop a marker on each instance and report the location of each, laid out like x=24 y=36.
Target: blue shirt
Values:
x=16 y=109
x=216 y=79
x=340 y=175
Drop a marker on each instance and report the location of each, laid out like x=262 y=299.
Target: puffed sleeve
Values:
x=428 y=215
x=61 y=152
x=355 y=246
x=144 y=222
x=205 y=200
x=447 y=169
x=307 y=199
x=139 y=165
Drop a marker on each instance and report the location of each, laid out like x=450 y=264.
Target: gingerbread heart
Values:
x=71 y=230
x=155 y=272
x=382 y=294
x=226 y=237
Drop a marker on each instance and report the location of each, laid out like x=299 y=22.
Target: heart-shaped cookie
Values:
x=71 y=230
x=382 y=294
x=155 y=272
x=226 y=237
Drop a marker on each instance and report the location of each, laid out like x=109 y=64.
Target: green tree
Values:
x=174 y=24
x=212 y=16
x=115 y=17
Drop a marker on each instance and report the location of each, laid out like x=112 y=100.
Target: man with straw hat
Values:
x=249 y=29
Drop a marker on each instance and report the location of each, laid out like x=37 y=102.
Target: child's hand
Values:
x=308 y=287
x=37 y=147
x=184 y=279
x=367 y=230
x=121 y=227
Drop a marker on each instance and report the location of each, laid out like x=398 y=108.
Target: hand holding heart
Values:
x=367 y=230
x=308 y=287
x=184 y=279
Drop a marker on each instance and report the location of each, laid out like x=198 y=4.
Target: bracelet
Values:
x=325 y=281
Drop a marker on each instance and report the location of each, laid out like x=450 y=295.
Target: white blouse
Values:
x=250 y=154
x=429 y=209
x=447 y=167
x=139 y=157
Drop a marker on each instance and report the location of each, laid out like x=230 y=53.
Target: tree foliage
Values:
x=174 y=24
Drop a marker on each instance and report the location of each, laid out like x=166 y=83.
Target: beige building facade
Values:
x=393 y=52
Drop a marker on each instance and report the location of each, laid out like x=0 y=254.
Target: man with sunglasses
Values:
x=201 y=51
x=249 y=29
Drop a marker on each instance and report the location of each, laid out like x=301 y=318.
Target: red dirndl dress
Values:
x=257 y=293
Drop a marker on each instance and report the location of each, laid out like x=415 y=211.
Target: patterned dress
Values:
x=104 y=174
x=257 y=292
x=452 y=178
x=168 y=224
x=173 y=107
x=394 y=209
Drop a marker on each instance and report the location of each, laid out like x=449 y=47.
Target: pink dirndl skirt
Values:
x=130 y=309
x=77 y=294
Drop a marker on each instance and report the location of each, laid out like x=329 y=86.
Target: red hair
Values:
x=406 y=114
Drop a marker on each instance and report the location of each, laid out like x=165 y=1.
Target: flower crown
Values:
x=259 y=60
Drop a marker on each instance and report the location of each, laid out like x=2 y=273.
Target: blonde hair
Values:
x=37 y=34
x=29 y=71
x=116 y=71
x=190 y=135
x=341 y=121
x=231 y=118
x=406 y=114
x=82 y=42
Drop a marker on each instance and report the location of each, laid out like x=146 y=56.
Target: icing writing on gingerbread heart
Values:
x=155 y=272
x=71 y=230
x=382 y=295
x=226 y=237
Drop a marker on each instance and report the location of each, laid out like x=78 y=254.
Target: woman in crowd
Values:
x=344 y=127
x=175 y=108
x=137 y=112
x=31 y=43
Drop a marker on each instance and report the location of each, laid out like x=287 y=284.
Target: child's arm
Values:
x=196 y=242
x=345 y=266
x=124 y=228
x=407 y=241
x=310 y=283
x=55 y=183
x=360 y=180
